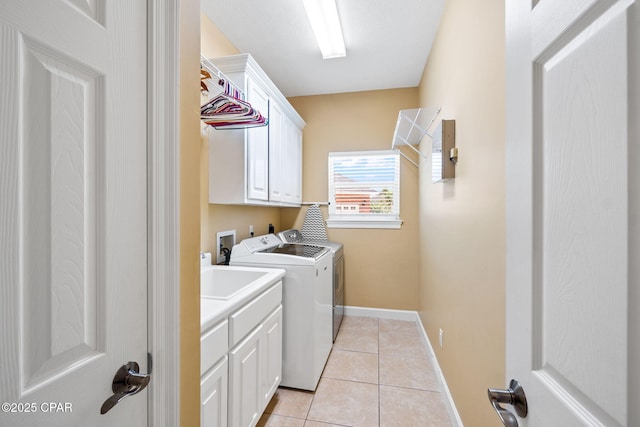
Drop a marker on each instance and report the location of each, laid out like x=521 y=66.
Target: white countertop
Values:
x=213 y=310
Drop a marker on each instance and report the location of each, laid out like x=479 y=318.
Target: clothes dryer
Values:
x=295 y=236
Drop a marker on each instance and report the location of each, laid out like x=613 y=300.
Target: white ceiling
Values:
x=387 y=42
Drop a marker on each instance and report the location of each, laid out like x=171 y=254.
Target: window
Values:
x=364 y=189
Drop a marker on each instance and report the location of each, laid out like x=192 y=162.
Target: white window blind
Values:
x=364 y=189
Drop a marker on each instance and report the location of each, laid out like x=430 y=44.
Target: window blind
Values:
x=364 y=185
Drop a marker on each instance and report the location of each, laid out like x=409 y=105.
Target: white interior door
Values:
x=573 y=214
x=73 y=216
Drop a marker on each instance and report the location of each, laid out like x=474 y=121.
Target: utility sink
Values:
x=224 y=282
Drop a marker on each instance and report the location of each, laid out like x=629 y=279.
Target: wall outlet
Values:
x=440 y=337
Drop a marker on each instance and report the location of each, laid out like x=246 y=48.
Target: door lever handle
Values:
x=514 y=396
x=127 y=382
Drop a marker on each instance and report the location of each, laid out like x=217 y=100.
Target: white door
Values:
x=573 y=210
x=73 y=210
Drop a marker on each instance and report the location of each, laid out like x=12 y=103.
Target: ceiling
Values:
x=387 y=42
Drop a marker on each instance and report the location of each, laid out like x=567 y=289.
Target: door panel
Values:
x=272 y=369
x=581 y=265
x=73 y=183
x=570 y=215
x=245 y=381
x=61 y=224
x=258 y=147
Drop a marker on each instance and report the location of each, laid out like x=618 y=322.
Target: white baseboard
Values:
x=453 y=411
x=383 y=313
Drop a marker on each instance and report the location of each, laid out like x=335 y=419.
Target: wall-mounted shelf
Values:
x=411 y=127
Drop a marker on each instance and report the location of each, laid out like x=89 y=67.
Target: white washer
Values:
x=294 y=236
x=306 y=303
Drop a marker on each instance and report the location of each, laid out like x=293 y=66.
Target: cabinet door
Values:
x=245 y=373
x=277 y=138
x=257 y=147
x=272 y=336
x=213 y=396
x=292 y=158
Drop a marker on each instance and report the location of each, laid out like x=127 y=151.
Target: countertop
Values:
x=213 y=310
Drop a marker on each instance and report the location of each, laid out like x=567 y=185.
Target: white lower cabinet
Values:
x=237 y=389
x=255 y=371
x=213 y=395
x=272 y=355
x=245 y=399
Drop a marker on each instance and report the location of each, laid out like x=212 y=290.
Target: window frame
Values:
x=368 y=220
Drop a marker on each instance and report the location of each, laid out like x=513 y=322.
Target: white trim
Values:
x=380 y=313
x=364 y=223
x=383 y=313
x=163 y=211
x=451 y=405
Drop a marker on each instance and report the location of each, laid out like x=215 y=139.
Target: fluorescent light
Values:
x=323 y=15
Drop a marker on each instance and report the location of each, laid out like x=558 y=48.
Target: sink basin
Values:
x=223 y=282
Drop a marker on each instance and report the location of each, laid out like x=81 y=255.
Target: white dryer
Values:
x=295 y=236
x=306 y=303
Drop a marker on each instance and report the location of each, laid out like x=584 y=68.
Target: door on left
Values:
x=73 y=216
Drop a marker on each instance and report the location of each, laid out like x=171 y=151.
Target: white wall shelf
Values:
x=411 y=127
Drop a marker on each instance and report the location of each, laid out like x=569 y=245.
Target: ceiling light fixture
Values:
x=323 y=15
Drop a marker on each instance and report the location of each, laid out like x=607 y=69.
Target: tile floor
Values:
x=378 y=374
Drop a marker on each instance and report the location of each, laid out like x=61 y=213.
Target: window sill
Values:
x=364 y=223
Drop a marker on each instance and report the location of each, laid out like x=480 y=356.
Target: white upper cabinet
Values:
x=260 y=165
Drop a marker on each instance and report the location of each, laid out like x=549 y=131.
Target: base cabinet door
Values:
x=272 y=356
x=245 y=381
x=213 y=396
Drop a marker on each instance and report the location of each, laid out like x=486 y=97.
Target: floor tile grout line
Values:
x=411 y=388
x=352 y=381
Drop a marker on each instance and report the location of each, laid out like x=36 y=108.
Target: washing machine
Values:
x=295 y=236
x=306 y=303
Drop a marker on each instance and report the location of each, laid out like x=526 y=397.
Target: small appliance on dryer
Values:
x=306 y=304
x=294 y=236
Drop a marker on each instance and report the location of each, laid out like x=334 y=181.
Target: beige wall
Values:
x=225 y=217
x=380 y=265
x=462 y=223
x=189 y=214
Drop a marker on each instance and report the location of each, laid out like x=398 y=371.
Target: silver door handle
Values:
x=514 y=396
x=127 y=382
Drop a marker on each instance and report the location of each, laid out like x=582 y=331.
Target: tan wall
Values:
x=380 y=265
x=462 y=224
x=189 y=214
x=225 y=217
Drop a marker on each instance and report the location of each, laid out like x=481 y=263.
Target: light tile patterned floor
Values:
x=378 y=374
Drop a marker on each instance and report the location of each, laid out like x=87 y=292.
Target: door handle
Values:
x=514 y=396
x=127 y=382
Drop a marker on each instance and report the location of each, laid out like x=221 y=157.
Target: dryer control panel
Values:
x=260 y=243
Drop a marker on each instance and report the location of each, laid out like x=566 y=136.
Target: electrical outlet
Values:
x=440 y=337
